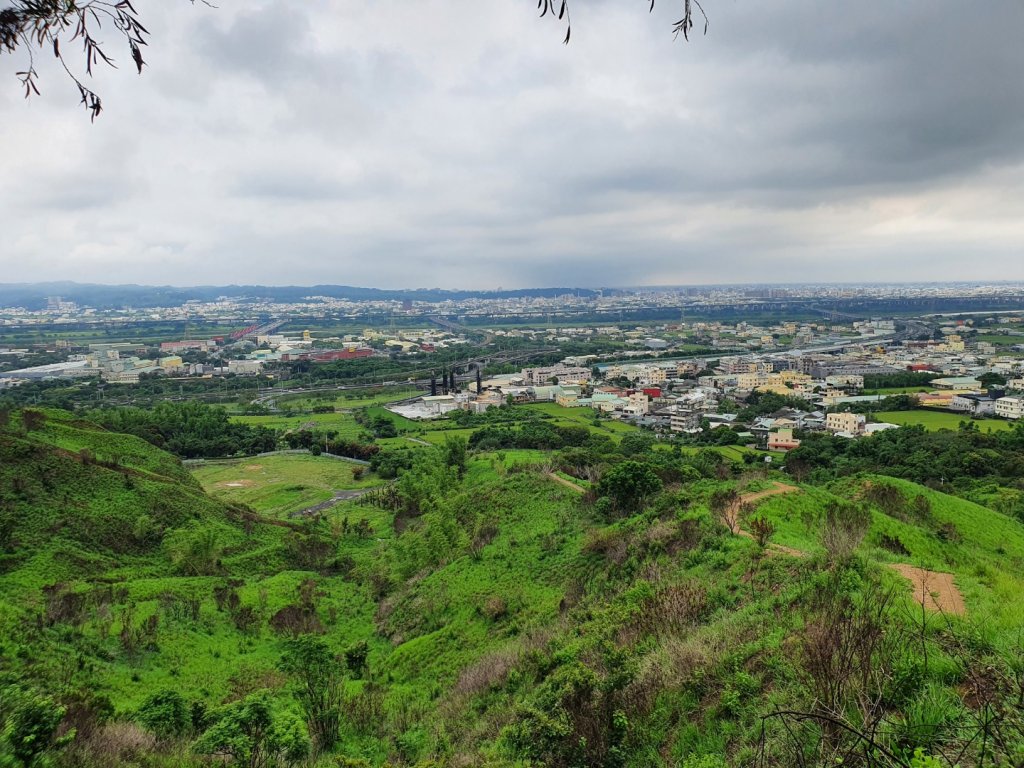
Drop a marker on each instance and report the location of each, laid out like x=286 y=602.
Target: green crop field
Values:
x=896 y=390
x=999 y=339
x=583 y=417
x=348 y=399
x=936 y=420
x=343 y=423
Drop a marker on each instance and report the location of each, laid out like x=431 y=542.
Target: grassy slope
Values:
x=985 y=552
x=279 y=485
x=463 y=612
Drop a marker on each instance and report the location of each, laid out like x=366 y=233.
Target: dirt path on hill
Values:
x=752 y=498
x=775 y=490
x=566 y=483
x=935 y=591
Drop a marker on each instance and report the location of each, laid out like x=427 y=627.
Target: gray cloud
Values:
x=402 y=144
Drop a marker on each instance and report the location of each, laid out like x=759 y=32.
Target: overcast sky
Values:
x=422 y=143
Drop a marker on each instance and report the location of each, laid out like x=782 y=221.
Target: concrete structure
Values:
x=976 y=404
x=245 y=367
x=564 y=373
x=782 y=440
x=182 y=346
x=852 y=423
x=1010 y=407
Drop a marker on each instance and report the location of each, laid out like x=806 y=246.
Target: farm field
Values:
x=583 y=417
x=280 y=485
x=344 y=400
x=344 y=423
x=896 y=390
x=999 y=339
x=936 y=420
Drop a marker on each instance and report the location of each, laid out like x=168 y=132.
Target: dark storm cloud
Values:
x=401 y=143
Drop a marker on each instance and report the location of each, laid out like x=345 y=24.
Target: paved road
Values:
x=339 y=496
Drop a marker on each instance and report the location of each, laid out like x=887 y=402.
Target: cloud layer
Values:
x=433 y=143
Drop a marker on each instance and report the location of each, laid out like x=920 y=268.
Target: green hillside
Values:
x=494 y=608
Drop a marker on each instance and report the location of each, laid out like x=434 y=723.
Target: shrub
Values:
x=32 y=726
x=254 y=732
x=165 y=714
x=494 y=608
x=844 y=528
x=762 y=530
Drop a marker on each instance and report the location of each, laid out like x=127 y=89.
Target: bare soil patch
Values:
x=935 y=591
x=236 y=484
x=776 y=489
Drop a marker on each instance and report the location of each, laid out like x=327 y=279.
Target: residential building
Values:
x=782 y=440
x=851 y=423
x=564 y=373
x=638 y=405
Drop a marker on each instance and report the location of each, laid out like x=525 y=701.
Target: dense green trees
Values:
x=32 y=722
x=628 y=485
x=165 y=714
x=256 y=732
x=190 y=429
x=966 y=461
x=903 y=379
x=317 y=675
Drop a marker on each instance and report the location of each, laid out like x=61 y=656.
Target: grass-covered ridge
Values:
x=603 y=604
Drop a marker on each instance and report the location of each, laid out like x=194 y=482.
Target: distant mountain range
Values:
x=34 y=295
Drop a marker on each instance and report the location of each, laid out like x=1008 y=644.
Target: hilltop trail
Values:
x=567 y=483
x=776 y=489
x=933 y=590
x=752 y=498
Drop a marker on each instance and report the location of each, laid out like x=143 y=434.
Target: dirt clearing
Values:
x=236 y=484
x=933 y=590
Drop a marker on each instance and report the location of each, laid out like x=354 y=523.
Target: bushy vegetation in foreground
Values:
x=603 y=604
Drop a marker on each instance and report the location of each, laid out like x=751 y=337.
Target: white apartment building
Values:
x=564 y=373
x=1010 y=407
x=245 y=367
x=638 y=405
